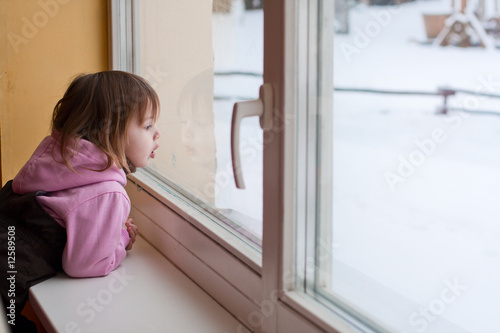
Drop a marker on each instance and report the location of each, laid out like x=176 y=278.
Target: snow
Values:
x=439 y=224
x=238 y=46
x=420 y=253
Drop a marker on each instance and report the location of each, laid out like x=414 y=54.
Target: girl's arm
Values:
x=96 y=240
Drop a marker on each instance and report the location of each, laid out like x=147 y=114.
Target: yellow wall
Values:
x=43 y=45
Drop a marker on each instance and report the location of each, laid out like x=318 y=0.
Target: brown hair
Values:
x=98 y=107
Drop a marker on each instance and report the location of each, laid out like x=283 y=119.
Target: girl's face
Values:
x=142 y=139
x=197 y=132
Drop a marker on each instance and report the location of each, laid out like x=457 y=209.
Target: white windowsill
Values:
x=146 y=293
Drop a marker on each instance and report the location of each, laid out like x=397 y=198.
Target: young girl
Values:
x=67 y=207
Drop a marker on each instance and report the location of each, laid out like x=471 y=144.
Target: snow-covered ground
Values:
x=416 y=218
x=417 y=194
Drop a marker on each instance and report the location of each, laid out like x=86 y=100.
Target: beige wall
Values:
x=43 y=44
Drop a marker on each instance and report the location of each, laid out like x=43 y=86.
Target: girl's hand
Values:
x=132 y=232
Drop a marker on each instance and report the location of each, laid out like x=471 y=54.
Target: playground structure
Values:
x=469 y=24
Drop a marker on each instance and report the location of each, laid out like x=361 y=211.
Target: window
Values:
x=202 y=58
x=402 y=235
x=370 y=202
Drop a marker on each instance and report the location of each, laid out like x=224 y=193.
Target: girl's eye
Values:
x=148 y=127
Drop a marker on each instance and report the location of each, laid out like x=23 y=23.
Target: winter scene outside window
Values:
x=416 y=116
x=416 y=181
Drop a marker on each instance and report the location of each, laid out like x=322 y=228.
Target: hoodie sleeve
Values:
x=96 y=240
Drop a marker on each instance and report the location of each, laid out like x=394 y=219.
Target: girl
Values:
x=67 y=206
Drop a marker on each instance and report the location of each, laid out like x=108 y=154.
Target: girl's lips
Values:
x=153 y=154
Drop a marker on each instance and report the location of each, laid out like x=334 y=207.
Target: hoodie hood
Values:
x=45 y=171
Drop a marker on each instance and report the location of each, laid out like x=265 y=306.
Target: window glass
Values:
x=415 y=238
x=202 y=57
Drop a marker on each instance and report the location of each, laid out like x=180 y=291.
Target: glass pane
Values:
x=416 y=188
x=202 y=58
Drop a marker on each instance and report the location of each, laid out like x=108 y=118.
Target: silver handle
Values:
x=262 y=107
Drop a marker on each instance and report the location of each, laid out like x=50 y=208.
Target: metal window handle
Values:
x=262 y=107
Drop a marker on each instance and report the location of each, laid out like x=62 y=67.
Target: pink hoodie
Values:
x=92 y=206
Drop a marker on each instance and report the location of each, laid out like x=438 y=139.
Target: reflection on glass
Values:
x=197 y=120
x=202 y=58
x=175 y=53
x=197 y=127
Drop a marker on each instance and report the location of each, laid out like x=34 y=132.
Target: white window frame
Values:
x=260 y=296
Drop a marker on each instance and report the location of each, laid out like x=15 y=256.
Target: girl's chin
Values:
x=141 y=164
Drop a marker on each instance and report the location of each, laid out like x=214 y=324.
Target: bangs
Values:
x=143 y=106
x=147 y=98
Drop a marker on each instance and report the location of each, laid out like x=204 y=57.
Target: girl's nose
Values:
x=157 y=134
